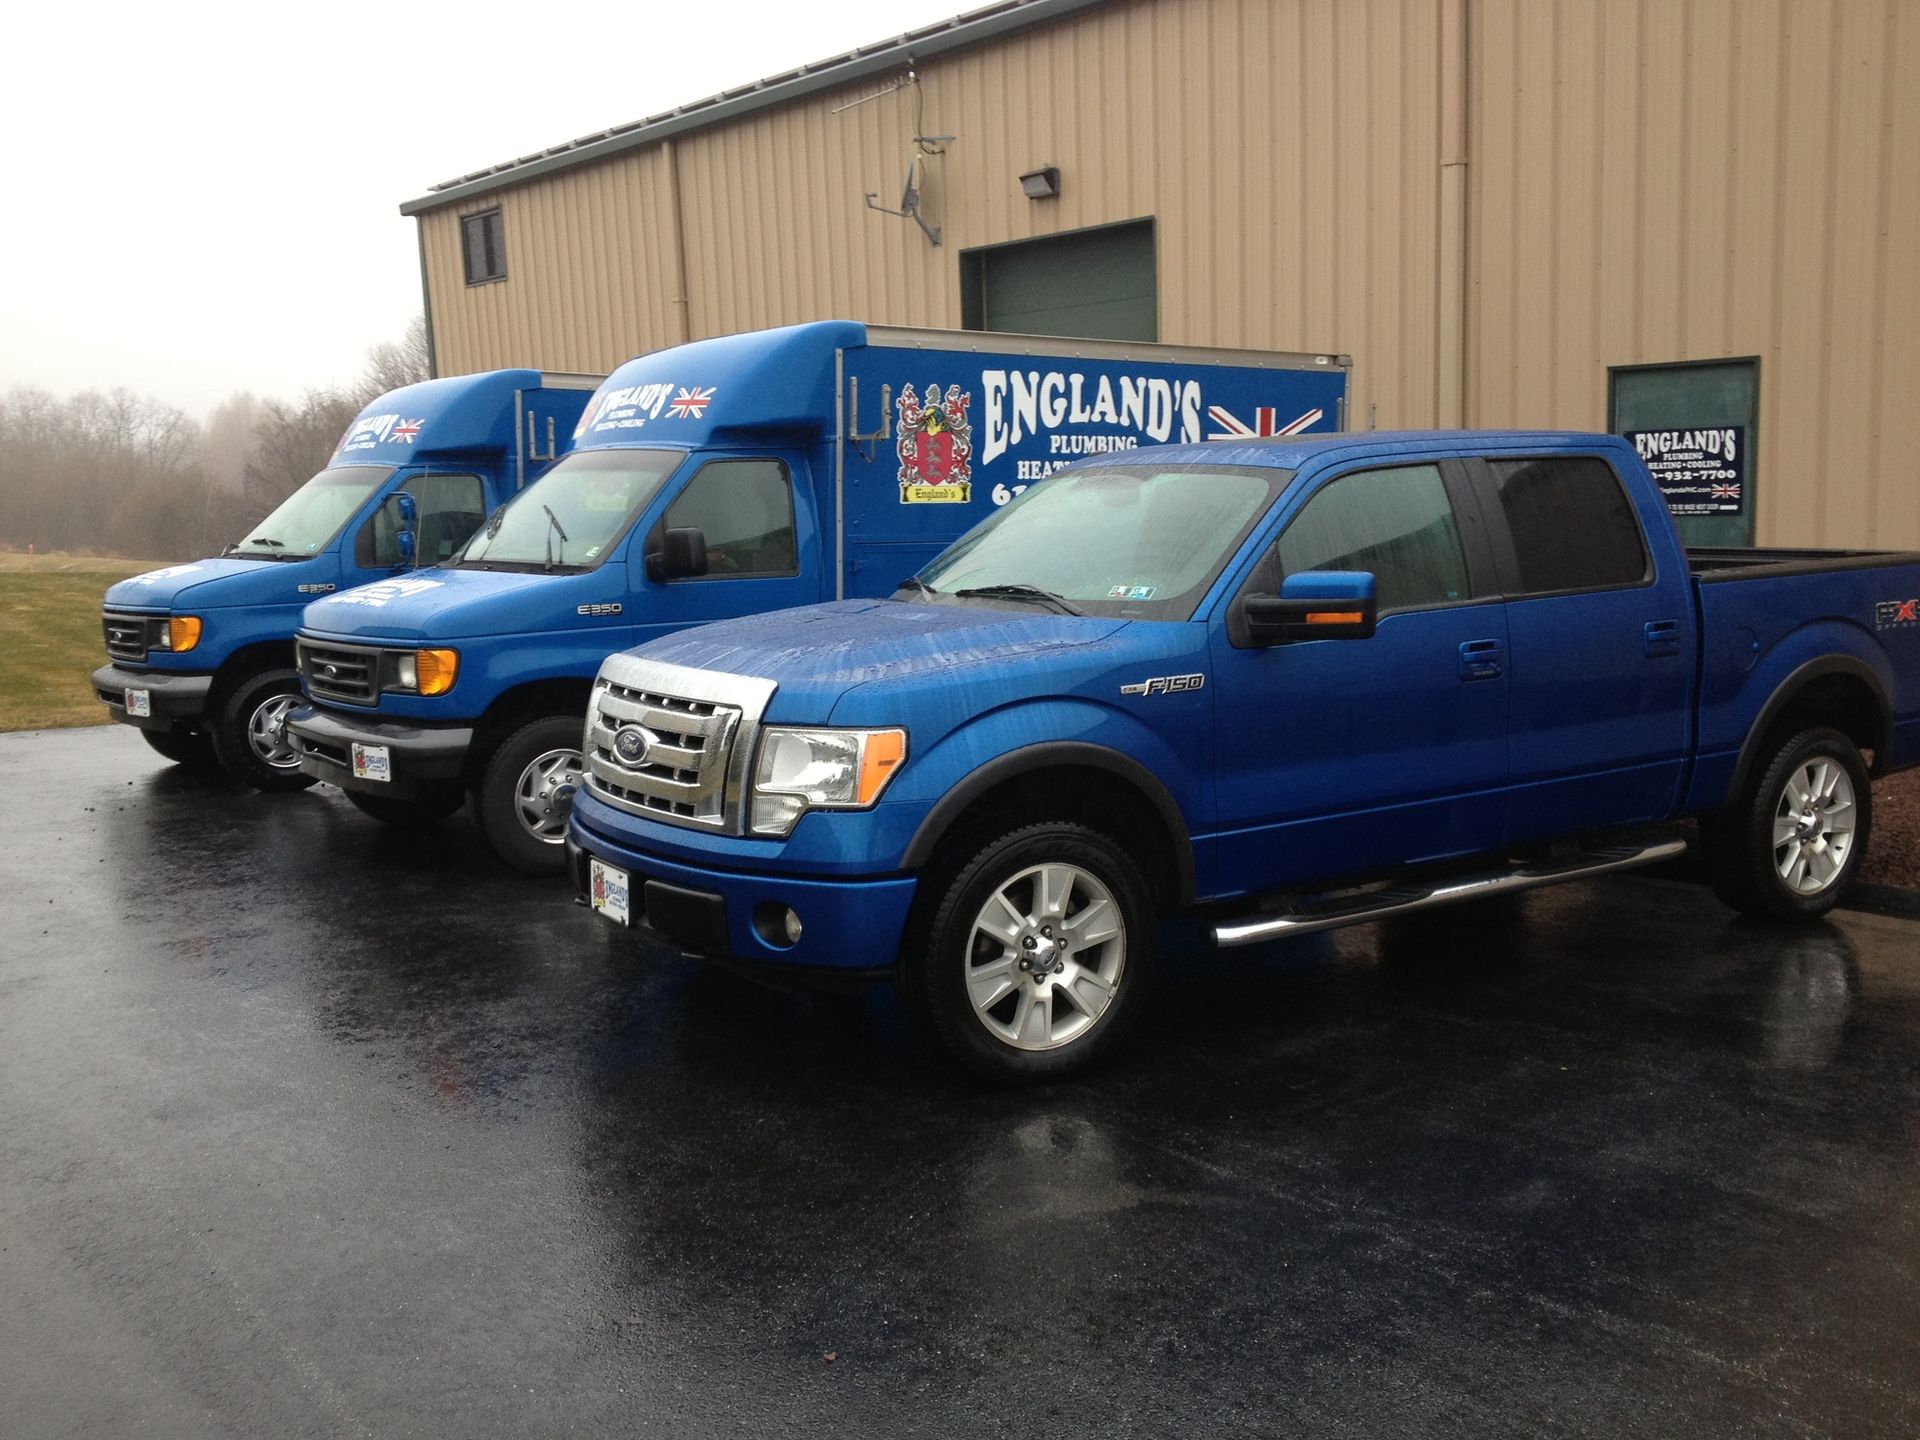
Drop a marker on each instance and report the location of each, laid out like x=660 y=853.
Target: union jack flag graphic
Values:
x=407 y=430
x=689 y=404
x=1724 y=492
x=1266 y=423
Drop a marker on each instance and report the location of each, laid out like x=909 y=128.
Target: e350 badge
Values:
x=1896 y=614
x=601 y=607
x=1165 y=685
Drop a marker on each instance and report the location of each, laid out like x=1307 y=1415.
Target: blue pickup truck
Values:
x=200 y=656
x=727 y=477
x=1285 y=685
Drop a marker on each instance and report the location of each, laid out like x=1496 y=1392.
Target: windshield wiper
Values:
x=914 y=582
x=1021 y=592
x=263 y=540
x=554 y=521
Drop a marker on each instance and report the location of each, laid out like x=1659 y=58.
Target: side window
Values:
x=451 y=508
x=745 y=509
x=1573 y=527
x=1396 y=523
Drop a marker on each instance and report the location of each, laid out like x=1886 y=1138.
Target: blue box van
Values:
x=200 y=656
x=724 y=478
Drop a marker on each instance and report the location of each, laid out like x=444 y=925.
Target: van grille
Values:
x=682 y=776
x=129 y=637
x=347 y=673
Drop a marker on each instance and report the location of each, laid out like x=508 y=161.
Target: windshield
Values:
x=306 y=521
x=1130 y=541
x=573 y=513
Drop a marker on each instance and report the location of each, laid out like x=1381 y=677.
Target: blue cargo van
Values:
x=200 y=656
x=726 y=478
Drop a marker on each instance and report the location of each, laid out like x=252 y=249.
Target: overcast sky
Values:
x=203 y=198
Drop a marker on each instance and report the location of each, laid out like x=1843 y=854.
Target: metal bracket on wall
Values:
x=869 y=441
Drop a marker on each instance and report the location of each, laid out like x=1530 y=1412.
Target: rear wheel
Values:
x=183 y=747
x=416 y=812
x=1038 y=953
x=525 y=794
x=250 y=737
x=1791 y=845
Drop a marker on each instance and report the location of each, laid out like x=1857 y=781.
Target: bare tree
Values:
x=391 y=364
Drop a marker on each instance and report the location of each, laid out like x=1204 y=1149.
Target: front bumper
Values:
x=176 y=702
x=851 y=928
x=418 y=756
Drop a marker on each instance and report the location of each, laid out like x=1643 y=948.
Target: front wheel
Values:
x=415 y=812
x=525 y=794
x=250 y=736
x=1038 y=954
x=1790 y=846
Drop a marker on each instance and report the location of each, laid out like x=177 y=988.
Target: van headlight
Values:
x=808 y=769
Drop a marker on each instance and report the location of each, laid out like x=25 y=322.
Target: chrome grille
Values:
x=348 y=673
x=129 y=637
x=697 y=727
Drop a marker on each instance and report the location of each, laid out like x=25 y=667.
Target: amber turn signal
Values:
x=436 y=670
x=183 y=633
x=884 y=751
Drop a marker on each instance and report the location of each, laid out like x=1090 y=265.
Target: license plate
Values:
x=371 y=762
x=608 y=888
x=139 y=702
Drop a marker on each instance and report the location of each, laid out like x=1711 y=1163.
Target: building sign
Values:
x=1700 y=472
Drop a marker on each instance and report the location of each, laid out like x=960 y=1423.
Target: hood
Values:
x=219 y=583
x=819 y=653
x=447 y=604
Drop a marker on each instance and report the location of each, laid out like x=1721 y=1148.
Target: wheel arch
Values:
x=1065 y=780
x=246 y=662
x=530 y=700
x=1836 y=690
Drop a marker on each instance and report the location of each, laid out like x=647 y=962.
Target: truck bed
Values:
x=1710 y=563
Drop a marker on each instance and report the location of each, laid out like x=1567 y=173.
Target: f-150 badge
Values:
x=1165 y=685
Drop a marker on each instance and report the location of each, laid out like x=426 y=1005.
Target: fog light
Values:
x=775 y=924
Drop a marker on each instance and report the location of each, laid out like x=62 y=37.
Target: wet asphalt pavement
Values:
x=308 y=1128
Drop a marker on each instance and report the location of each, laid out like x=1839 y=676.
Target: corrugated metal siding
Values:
x=1286 y=150
x=1647 y=181
x=1658 y=180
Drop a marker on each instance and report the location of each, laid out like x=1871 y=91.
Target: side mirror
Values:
x=679 y=554
x=409 y=509
x=1316 y=605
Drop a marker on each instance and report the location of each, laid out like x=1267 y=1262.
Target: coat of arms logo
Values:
x=935 y=446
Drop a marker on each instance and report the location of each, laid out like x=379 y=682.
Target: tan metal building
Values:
x=1507 y=211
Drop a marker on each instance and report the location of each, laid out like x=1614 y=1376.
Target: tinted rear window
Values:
x=1572 y=525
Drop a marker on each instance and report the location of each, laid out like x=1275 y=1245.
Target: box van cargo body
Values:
x=201 y=655
x=724 y=478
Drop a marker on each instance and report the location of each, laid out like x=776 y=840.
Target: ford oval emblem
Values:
x=631 y=745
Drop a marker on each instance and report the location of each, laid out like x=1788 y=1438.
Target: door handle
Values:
x=1662 y=638
x=1482 y=660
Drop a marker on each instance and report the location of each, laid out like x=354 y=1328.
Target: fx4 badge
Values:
x=1165 y=685
x=1896 y=614
x=604 y=607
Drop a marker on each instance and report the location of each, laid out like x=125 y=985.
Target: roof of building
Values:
x=866 y=61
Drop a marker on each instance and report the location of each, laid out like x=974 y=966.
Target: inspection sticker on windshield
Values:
x=139 y=702
x=1132 y=592
x=608 y=888
x=371 y=762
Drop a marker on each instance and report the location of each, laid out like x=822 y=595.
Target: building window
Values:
x=1095 y=284
x=483 y=244
x=1695 y=423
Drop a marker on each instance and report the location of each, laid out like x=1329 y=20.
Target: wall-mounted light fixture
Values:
x=1041 y=184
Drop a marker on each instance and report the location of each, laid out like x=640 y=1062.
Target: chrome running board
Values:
x=1331 y=914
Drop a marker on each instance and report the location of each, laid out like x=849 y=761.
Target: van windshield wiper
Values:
x=1021 y=592
x=554 y=521
x=914 y=582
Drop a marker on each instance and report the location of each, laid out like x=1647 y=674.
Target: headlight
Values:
x=802 y=770
x=180 y=633
x=423 y=672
